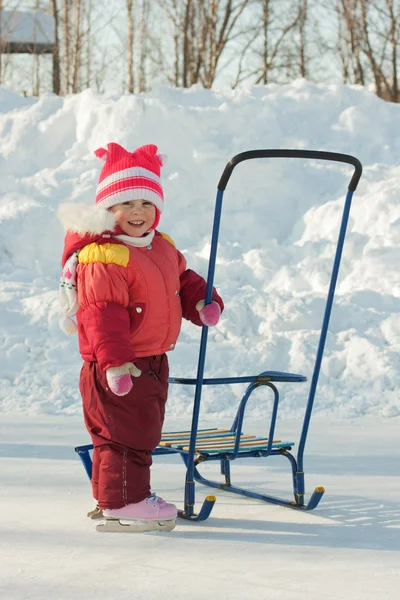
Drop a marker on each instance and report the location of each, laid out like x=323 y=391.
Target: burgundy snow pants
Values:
x=124 y=430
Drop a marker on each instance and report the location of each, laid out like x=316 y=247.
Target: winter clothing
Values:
x=68 y=296
x=119 y=379
x=149 y=509
x=130 y=176
x=210 y=314
x=119 y=317
x=124 y=430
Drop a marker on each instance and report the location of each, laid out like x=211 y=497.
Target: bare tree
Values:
x=303 y=9
x=56 y=54
x=173 y=15
x=87 y=41
x=36 y=56
x=342 y=44
x=223 y=25
x=201 y=32
x=274 y=30
x=131 y=40
x=67 y=44
x=5 y=55
x=173 y=12
x=77 y=42
x=144 y=44
x=394 y=40
x=351 y=39
x=97 y=55
x=188 y=18
x=369 y=42
x=381 y=44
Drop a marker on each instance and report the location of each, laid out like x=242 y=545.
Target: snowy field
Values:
x=278 y=236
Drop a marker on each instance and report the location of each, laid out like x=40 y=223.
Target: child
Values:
x=129 y=288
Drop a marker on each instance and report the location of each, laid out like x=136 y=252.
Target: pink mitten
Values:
x=210 y=313
x=120 y=378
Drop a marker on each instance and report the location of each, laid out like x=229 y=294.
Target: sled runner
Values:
x=197 y=446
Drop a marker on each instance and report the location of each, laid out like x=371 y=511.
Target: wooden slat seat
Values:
x=216 y=441
x=201 y=432
x=255 y=446
x=223 y=439
x=183 y=437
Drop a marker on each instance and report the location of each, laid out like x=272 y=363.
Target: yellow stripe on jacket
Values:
x=108 y=254
x=168 y=238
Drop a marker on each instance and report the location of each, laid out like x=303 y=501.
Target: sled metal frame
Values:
x=192 y=456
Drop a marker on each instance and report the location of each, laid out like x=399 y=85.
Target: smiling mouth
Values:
x=136 y=223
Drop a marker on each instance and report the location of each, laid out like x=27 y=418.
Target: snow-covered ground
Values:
x=278 y=235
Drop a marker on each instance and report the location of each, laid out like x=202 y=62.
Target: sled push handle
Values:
x=316 y=154
x=299 y=475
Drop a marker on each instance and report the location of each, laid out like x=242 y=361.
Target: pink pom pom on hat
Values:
x=130 y=176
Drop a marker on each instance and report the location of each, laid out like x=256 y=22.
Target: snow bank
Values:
x=278 y=236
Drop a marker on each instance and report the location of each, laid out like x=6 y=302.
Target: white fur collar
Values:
x=82 y=218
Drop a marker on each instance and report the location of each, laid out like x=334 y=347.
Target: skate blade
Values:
x=115 y=526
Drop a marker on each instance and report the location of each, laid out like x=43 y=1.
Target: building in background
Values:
x=28 y=32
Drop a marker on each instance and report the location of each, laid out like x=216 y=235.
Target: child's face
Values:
x=135 y=217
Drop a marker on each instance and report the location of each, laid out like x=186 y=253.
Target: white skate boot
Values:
x=151 y=514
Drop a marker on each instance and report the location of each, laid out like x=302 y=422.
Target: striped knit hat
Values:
x=130 y=176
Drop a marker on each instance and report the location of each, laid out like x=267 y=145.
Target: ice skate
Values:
x=151 y=514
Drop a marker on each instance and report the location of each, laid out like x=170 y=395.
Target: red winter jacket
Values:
x=132 y=299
